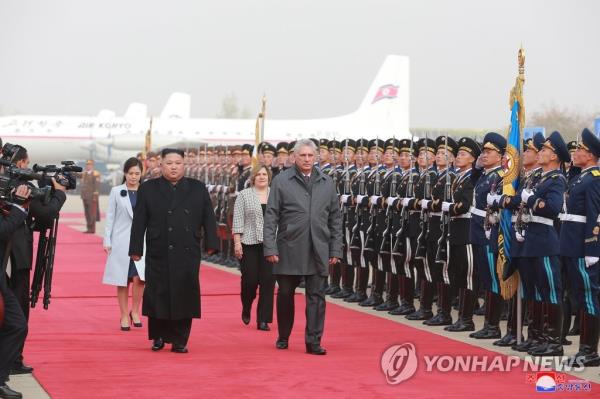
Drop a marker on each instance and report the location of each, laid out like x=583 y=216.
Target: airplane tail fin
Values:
x=385 y=107
x=136 y=111
x=178 y=107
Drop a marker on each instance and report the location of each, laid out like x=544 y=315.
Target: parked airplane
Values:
x=383 y=112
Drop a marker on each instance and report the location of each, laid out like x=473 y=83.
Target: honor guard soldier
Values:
x=335 y=171
x=427 y=179
x=290 y=157
x=268 y=153
x=360 y=225
x=245 y=167
x=580 y=247
x=372 y=237
x=385 y=225
x=530 y=176
x=447 y=149
x=401 y=259
x=348 y=217
x=484 y=231
x=461 y=270
x=324 y=156
x=537 y=206
x=282 y=157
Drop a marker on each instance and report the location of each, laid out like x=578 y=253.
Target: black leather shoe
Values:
x=7 y=393
x=333 y=289
x=262 y=326
x=548 y=349
x=371 y=301
x=488 y=332
x=246 y=316
x=344 y=293
x=440 y=319
x=315 y=349
x=356 y=297
x=281 y=343
x=420 y=315
x=574 y=331
x=524 y=346
x=565 y=341
x=158 y=344
x=507 y=340
x=20 y=369
x=402 y=310
x=386 y=306
x=179 y=349
x=461 y=326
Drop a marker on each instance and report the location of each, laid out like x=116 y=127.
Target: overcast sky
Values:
x=313 y=58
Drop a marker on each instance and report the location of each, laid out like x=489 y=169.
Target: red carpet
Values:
x=78 y=350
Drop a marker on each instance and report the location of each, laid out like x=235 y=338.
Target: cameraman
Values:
x=13 y=327
x=21 y=252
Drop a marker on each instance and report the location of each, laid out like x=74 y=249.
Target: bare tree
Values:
x=569 y=122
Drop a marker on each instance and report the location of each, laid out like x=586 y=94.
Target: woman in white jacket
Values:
x=120 y=270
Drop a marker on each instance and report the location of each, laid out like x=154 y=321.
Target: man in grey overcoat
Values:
x=302 y=237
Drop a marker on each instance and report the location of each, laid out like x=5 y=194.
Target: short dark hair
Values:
x=20 y=154
x=167 y=151
x=130 y=163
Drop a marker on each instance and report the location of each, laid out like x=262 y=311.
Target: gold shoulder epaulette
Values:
x=596 y=172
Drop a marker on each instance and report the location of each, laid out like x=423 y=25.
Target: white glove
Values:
x=446 y=206
x=492 y=198
x=591 y=260
x=209 y=188
x=373 y=199
x=488 y=233
x=525 y=194
x=344 y=199
x=218 y=188
x=519 y=237
x=405 y=201
x=424 y=203
x=390 y=201
x=359 y=198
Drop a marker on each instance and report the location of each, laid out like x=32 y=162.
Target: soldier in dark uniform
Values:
x=348 y=171
x=282 y=156
x=484 y=231
x=372 y=236
x=245 y=167
x=461 y=270
x=444 y=158
x=334 y=171
x=290 y=158
x=401 y=249
x=427 y=179
x=268 y=152
x=324 y=156
x=385 y=225
x=531 y=174
x=580 y=247
x=361 y=220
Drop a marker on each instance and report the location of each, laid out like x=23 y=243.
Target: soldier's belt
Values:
x=463 y=216
x=413 y=212
x=477 y=211
x=534 y=219
x=439 y=214
x=568 y=217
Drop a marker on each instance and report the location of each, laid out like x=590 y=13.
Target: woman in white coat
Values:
x=120 y=270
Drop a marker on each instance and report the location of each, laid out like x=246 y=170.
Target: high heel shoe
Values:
x=138 y=324
x=125 y=328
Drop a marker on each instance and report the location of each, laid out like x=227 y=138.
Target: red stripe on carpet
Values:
x=78 y=350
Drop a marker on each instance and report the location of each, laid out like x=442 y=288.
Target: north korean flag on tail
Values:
x=386 y=91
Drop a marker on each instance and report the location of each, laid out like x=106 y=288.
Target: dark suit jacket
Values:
x=8 y=225
x=22 y=244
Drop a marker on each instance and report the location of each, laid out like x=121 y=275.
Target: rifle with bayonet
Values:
x=442 y=254
x=374 y=208
x=421 y=251
x=399 y=248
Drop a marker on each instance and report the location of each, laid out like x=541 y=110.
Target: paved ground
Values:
x=32 y=390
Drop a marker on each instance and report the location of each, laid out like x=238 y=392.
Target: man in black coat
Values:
x=13 y=326
x=170 y=212
x=21 y=250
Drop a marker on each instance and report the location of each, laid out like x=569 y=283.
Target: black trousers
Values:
x=315 y=306
x=19 y=285
x=12 y=333
x=257 y=273
x=171 y=331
